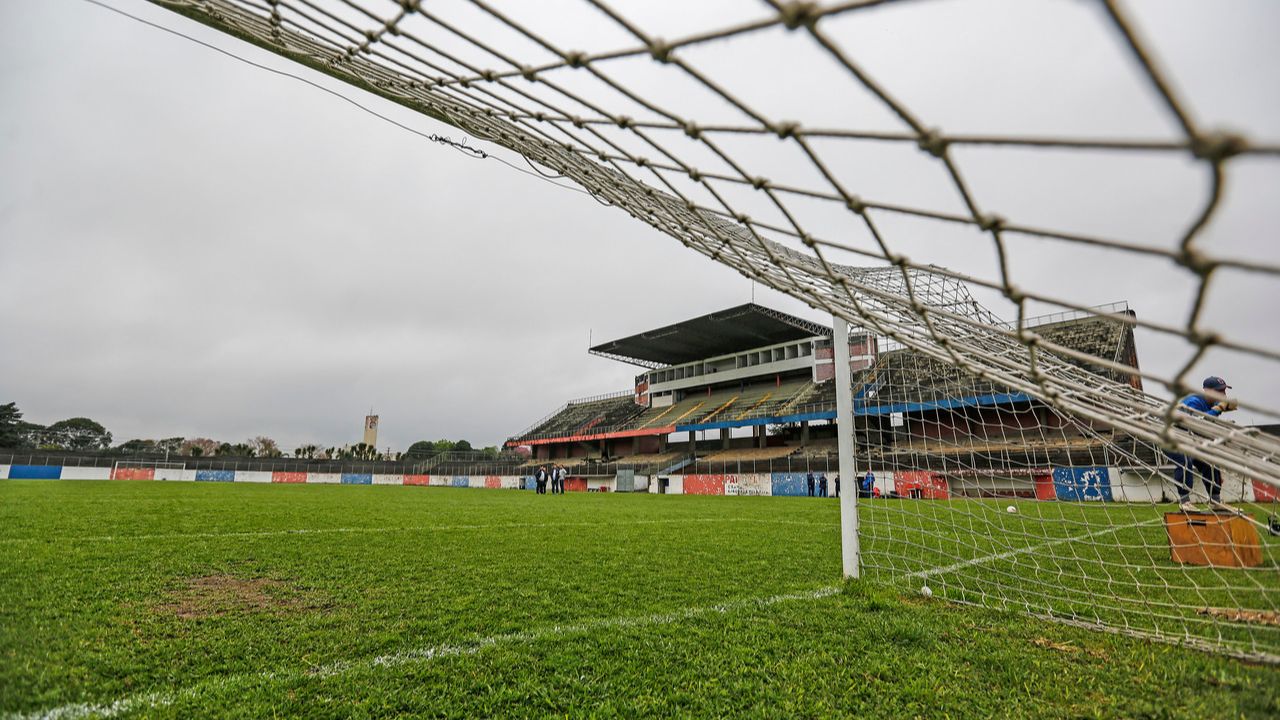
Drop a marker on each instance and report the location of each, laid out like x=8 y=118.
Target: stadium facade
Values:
x=752 y=385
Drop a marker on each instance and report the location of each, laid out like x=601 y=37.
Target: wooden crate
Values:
x=1212 y=539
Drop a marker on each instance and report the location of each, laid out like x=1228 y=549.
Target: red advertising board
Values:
x=921 y=484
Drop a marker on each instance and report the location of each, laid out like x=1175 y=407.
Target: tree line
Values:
x=81 y=434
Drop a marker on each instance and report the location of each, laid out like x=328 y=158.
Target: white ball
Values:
x=925 y=591
x=1011 y=509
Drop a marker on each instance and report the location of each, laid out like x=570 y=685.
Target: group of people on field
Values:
x=555 y=474
x=818 y=486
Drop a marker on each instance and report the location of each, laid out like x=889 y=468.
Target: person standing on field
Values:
x=1186 y=467
x=822 y=484
x=868 y=485
x=540 y=481
x=809 y=481
x=558 y=483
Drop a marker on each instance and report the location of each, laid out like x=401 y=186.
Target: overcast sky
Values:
x=193 y=246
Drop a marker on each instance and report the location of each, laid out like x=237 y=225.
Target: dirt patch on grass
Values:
x=217 y=595
x=1252 y=617
x=1068 y=648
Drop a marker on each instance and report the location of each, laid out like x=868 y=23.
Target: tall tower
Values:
x=371 y=429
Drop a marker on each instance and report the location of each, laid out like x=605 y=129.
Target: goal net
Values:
x=1019 y=455
x=147 y=470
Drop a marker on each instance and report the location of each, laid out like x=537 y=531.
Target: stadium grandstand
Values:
x=750 y=389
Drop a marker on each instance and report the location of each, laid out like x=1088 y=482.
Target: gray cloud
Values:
x=192 y=246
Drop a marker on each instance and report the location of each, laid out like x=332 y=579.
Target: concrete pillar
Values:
x=804 y=433
x=724 y=438
x=693 y=442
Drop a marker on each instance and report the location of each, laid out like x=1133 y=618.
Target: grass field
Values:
x=182 y=599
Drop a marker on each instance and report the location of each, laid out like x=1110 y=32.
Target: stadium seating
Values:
x=896 y=377
x=584 y=416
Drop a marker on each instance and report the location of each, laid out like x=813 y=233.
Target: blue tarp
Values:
x=357 y=478
x=215 y=475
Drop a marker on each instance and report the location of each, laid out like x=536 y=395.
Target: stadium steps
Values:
x=798 y=398
x=678 y=465
x=654 y=420
x=688 y=412
x=712 y=415
x=652 y=459
x=748 y=454
x=763 y=399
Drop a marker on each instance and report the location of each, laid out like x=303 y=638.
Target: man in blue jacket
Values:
x=1184 y=467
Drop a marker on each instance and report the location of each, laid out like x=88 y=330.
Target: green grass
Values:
x=180 y=600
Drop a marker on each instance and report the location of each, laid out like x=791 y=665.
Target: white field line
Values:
x=1023 y=551
x=408 y=528
x=164 y=698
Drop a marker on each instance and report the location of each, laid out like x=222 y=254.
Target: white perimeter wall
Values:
x=750 y=485
x=676 y=486
x=253 y=476
x=1140 y=486
x=324 y=478
x=83 y=473
x=1149 y=487
x=382 y=479
x=884 y=482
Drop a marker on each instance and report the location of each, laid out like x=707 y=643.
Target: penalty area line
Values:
x=943 y=570
x=402 y=528
x=165 y=698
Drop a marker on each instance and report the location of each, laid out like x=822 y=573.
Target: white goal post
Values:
x=147 y=470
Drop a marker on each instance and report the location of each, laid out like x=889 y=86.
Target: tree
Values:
x=197 y=447
x=422 y=448
x=308 y=451
x=171 y=445
x=224 y=449
x=78 y=434
x=11 y=434
x=265 y=447
x=136 y=447
x=361 y=451
x=462 y=446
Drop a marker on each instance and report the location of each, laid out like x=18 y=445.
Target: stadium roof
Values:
x=719 y=333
